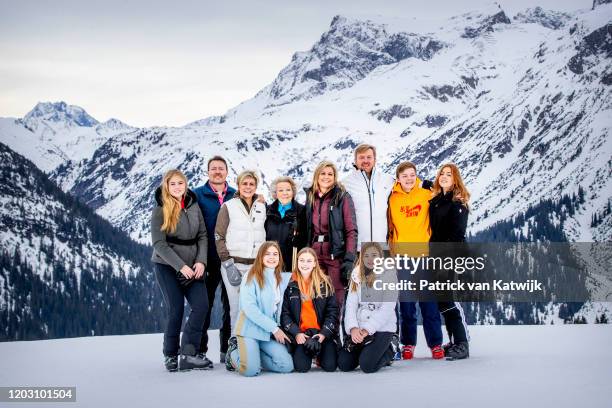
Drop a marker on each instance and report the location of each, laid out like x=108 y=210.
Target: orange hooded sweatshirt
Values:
x=409 y=214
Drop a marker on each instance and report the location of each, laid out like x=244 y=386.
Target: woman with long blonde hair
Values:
x=179 y=239
x=370 y=321
x=448 y=217
x=260 y=342
x=331 y=226
x=310 y=314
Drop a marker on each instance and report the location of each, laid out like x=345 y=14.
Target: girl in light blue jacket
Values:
x=260 y=342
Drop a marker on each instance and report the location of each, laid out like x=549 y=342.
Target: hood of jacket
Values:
x=397 y=187
x=190 y=198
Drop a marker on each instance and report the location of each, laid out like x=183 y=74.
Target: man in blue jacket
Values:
x=210 y=197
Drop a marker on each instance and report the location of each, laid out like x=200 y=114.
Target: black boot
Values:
x=458 y=351
x=232 y=345
x=202 y=356
x=171 y=363
x=188 y=360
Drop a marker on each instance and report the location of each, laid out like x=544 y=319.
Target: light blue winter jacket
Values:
x=259 y=316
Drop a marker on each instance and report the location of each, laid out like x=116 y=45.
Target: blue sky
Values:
x=169 y=63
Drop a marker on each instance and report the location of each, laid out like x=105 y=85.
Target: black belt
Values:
x=321 y=238
x=178 y=241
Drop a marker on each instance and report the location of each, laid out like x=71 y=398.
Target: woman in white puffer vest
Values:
x=239 y=233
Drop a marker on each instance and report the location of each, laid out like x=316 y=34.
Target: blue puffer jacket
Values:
x=209 y=205
x=259 y=315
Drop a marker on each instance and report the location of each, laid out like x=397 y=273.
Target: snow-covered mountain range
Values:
x=521 y=103
x=64 y=270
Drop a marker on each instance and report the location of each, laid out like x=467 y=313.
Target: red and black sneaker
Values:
x=437 y=352
x=407 y=352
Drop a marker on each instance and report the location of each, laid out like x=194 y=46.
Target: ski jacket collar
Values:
x=190 y=198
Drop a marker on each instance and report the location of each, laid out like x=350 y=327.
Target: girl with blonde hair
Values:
x=370 y=321
x=310 y=314
x=179 y=239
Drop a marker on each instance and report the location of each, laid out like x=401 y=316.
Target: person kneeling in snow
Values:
x=369 y=319
x=259 y=341
x=310 y=314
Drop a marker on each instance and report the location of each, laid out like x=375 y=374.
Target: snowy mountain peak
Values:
x=486 y=22
x=59 y=112
x=114 y=124
x=547 y=18
x=345 y=54
x=599 y=3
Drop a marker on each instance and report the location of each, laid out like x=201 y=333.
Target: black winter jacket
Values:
x=325 y=307
x=282 y=230
x=447 y=219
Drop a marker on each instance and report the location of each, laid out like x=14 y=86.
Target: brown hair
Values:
x=257 y=270
x=318 y=278
x=315 y=177
x=364 y=147
x=171 y=207
x=403 y=166
x=460 y=192
x=369 y=280
x=216 y=158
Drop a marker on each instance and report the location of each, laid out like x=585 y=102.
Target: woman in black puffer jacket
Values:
x=448 y=215
x=286 y=220
x=179 y=239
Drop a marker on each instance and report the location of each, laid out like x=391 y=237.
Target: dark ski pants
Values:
x=328 y=357
x=174 y=297
x=432 y=323
x=454 y=319
x=333 y=269
x=371 y=358
x=213 y=279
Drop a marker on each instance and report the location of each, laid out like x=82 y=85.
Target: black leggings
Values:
x=174 y=298
x=454 y=320
x=328 y=357
x=213 y=279
x=371 y=358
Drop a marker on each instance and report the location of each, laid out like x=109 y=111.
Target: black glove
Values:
x=183 y=281
x=345 y=272
x=427 y=184
x=312 y=345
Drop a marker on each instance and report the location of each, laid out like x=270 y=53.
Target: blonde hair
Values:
x=460 y=192
x=315 y=177
x=318 y=278
x=246 y=174
x=257 y=270
x=171 y=207
x=283 y=179
x=367 y=280
x=364 y=147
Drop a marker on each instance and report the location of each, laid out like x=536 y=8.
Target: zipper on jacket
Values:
x=330 y=222
x=368 y=182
